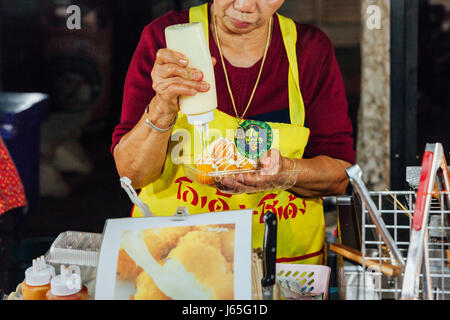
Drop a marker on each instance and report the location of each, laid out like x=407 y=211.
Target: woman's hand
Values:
x=275 y=173
x=141 y=153
x=171 y=78
x=316 y=177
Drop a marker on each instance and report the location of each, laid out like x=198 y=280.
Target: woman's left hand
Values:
x=276 y=173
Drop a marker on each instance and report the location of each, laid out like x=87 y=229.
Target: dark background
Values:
x=97 y=196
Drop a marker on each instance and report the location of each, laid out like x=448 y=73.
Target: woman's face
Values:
x=242 y=16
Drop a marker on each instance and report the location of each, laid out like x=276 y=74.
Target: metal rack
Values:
x=367 y=284
x=404 y=238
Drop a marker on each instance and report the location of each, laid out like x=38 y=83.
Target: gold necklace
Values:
x=239 y=119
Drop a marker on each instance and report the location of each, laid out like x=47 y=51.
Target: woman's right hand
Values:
x=172 y=78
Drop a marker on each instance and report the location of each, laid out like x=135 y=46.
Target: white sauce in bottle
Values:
x=189 y=39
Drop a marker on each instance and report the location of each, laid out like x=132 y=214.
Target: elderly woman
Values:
x=269 y=70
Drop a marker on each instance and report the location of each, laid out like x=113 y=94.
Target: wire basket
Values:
x=303 y=281
x=396 y=209
x=293 y=281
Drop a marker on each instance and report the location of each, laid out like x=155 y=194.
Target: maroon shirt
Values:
x=321 y=85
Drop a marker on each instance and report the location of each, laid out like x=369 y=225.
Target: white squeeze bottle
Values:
x=189 y=39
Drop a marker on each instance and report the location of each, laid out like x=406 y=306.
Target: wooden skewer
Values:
x=260 y=276
x=257 y=275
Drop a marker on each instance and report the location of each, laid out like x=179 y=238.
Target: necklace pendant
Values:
x=240 y=133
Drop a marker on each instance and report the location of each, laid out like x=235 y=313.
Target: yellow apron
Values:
x=301 y=227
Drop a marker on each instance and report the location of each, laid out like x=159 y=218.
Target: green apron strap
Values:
x=200 y=14
x=296 y=104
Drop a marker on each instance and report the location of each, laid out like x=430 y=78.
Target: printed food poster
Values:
x=196 y=258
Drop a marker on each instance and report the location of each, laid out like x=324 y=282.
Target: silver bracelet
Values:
x=161 y=130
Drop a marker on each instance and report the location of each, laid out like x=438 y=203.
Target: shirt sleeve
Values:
x=326 y=106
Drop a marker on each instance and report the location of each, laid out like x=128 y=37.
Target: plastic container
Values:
x=238 y=181
x=222 y=166
x=80 y=249
x=190 y=40
x=37 y=280
x=20 y=117
x=67 y=286
x=75 y=248
x=303 y=281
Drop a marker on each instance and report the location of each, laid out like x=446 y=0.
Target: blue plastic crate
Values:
x=21 y=115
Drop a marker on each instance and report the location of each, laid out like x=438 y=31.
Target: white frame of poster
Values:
x=106 y=270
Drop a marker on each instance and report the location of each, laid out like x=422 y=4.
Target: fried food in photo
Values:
x=160 y=241
x=210 y=238
x=126 y=267
x=206 y=251
x=208 y=265
x=211 y=227
x=146 y=289
x=227 y=244
x=226 y=236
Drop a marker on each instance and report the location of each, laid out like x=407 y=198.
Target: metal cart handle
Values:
x=354 y=174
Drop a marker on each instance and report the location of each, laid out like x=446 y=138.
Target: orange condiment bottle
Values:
x=67 y=286
x=37 y=280
x=82 y=294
